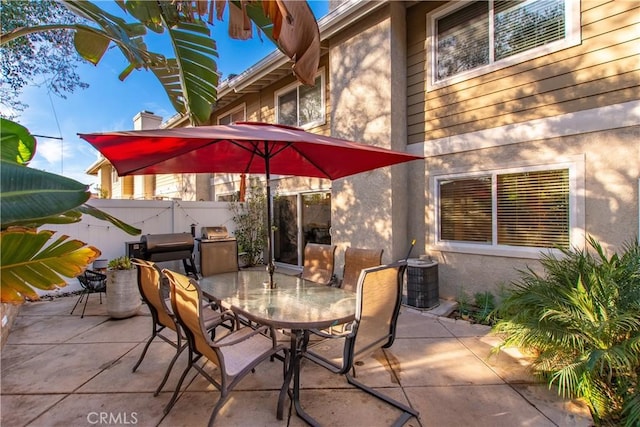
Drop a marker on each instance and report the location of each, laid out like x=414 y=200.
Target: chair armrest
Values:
x=231 y=315
x=347 y=331
x=260 y=330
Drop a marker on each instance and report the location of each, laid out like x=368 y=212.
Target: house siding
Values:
x=578 y=105
x=603 y=70
x=176 y=186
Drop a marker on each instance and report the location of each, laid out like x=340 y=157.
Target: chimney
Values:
x=146 y=120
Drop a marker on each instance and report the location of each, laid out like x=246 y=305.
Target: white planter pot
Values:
x=100 y=264
x=123 y=297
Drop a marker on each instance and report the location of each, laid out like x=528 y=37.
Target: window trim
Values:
x=295 y=85
x=242 y=107
x=575 y=165
x=572 y=38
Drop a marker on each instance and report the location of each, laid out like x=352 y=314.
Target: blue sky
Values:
x=109 y=104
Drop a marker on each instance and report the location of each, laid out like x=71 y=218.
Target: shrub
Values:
x=485 y=303
x=582 y=320
x=121 y=263
x=250 y=220
x=479 y=309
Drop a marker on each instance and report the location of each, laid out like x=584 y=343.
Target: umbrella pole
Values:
x=271 y=267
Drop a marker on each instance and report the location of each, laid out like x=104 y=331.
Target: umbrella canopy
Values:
x=245 y=147
x=240 y=148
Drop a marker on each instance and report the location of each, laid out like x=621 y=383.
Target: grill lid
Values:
x=155 y=243
x=215 y=233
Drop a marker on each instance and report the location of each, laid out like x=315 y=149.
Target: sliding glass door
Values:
x=300 y=219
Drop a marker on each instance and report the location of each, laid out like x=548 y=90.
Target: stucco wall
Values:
x=609 y=194
x=368 y=105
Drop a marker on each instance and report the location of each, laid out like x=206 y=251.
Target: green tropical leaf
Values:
x=147 y=12
x=171 y=80
x=255 y=12
x=68 y=217
x=16 y=142
x=97 y=213
x=26 y=264
x=195 y=53
x=29 y=194
x=128 y=37
x=90 y=44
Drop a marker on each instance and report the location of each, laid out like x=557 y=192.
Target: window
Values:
x=229 y=197
x=477 y=35
x=302 y=105
x=237 y=115
x=114 y=175
x=529 y=209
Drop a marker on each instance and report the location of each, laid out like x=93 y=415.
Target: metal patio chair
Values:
x=235 y=355
x=355 y=260
x=379 y=294
x=152 y=285
x=91 y=282
x=319 y=262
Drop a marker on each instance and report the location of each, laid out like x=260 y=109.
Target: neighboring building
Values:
x=527 y=113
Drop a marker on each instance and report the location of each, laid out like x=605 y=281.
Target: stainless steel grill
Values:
x=218 y=251
x=215 y=233
x=170 y=247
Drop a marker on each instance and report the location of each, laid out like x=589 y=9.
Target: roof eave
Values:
x=334 y=22
x=95 y=166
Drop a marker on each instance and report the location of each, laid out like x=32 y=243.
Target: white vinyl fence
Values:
x=150 y=216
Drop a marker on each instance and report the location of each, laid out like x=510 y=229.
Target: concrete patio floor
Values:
x=61 y=370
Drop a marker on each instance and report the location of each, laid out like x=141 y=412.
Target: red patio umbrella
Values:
x=245 y=147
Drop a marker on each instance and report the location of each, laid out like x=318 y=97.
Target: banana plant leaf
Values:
x=29 y=195
x=26 y=264
x=195 y=53
x=18 y=145
x=190 y=79
x=255 y=12
x=97 y=213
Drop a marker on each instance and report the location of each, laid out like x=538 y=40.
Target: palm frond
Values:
x=582 y=317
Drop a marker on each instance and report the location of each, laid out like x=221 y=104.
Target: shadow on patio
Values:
x=59 y=369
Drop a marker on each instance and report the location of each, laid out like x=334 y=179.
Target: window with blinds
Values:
x=463 y=40
x=533 y=209
x=465 y=210
x=484 y=32
x=233 y=117
x=529 y=209
x=524 y=25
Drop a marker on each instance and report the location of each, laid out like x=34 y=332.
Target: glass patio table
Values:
x=295 y=304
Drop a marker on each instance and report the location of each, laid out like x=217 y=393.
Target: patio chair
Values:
x=235 y=355
x=319 y=263
x=91 y=282
x=379 y=294
x=355 y=260
x=152 y=285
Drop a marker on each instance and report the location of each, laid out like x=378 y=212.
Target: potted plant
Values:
x=250 y=220
x=123 y=297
